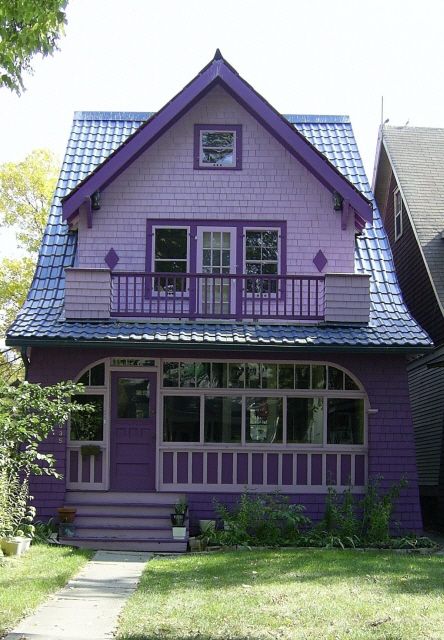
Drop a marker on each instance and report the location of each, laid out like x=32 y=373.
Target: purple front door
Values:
x=133 y=431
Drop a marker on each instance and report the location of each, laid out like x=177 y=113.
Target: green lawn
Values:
x=303 y=594
x=25 y=582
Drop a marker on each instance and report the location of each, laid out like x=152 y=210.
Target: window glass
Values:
x=269 y=376
x=203 y=374
x=261 y=259
x=302 y=376
x=318 y=376
x=305 y=422
x=88 y=426
x=133 y=398
x=217 y=148
x=345 y=423
x=170 y=256
x=335 y=379
x=223 y=419
x=286 y=376
x=187 y=374
x=252 y=375
x=263 y=420
x=219 y=374
x=94 y=377
x=236 y=375
x=181 y=419
x=171 y=374
x=350 y=384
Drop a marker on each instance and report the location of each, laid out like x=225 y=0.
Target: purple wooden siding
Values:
x=272 y=469
x=73 y=466
x=197 y=468
x=212 y=468
x=98 y=468
x=345 y=469
x=242 y=468
x=86 y=469
x=302 y=469
x=287 y=469
x=360 y=469
x=316 y=469
x=257 y=468
x=391 y=452
x=331 y=469
x=227 y=468
x=182 y=468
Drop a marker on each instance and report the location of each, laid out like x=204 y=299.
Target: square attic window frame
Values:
x=236 y=129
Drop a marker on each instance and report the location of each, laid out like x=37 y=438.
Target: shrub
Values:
x=16 y=516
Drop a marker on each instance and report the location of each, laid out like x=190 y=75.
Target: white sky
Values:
x=303 y=56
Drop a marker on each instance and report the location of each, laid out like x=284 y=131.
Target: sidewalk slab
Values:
x=88 y=607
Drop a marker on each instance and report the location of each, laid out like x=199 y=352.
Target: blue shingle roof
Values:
x=93 y=137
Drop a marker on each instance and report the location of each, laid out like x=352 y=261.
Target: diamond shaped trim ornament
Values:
x=111 y=258
x=320 y=260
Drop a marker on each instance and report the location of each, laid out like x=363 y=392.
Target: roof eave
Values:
x=218 y=71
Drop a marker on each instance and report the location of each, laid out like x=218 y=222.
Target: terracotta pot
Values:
x=67 y=514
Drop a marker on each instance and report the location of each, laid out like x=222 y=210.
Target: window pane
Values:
x=269 y=376
x=305 y=420
x=85 y=378
x=217 y=138
x=350 y=384
x=170 y=266
x=318 y=376
x=181 y=419
x=302 y=376
x=187 y=374
x=345 y=421
x=88 y=426
x=203 y=374
x=286 y=376
x=219 y=374
x=252 y=375
x=335 y=379
x=263 y=419
x=236 y=375
x=171 y=243
x=133 y=398
x=171 y=374
x=98 y=375
x=223 y=418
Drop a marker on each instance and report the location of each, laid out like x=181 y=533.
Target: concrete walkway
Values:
x=89 y=606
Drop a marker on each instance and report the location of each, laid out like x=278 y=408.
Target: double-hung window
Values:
x=170 y=258
x=262 y=260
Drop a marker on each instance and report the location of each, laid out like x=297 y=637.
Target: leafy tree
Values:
x=28 y=415
x=27 y=28
x=26 y=190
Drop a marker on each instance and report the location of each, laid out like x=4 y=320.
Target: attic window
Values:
x=399 y=210
x=217 y=147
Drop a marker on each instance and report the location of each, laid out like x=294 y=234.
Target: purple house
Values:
x=218 y=277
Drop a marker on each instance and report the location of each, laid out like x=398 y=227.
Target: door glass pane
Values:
x=263 y=419
x=88 y=426
x=133 y=398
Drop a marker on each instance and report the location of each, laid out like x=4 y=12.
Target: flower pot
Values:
x=67 y=514
x=178 y=519
x=179 y=533
x=207 y=526
x=195 y=544
x=15 y=546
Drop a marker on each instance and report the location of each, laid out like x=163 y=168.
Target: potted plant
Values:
x=16 y=517
x=66 y=514
x=180 y=513
x=179 y=533
x=90 y=450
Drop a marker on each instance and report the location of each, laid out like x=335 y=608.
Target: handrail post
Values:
x=239 y=286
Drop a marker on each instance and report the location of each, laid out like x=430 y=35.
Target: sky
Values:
x=303 y=56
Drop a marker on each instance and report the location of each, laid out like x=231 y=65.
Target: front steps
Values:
x=124 y=521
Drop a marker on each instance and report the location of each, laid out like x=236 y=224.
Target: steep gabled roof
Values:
x=416 y=156
x=95 y=136
x=218 y=72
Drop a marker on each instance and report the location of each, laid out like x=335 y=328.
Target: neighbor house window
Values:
x=255 y=403
x=262 y=260
x=217 y=146
x=399 y=207
x=170 y=257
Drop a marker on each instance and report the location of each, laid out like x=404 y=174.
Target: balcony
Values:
x=216 y=296
x=98 y=294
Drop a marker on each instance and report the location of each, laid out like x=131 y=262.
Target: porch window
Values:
x=345 y=421
x=263 y=419
x=223 y=418
x=88 y=426
x=94 y=377
x=305 y=420
x=170 y=257
x=181 y=419
x=261 y=259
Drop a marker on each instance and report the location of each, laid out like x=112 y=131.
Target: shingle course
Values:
x=93 y=137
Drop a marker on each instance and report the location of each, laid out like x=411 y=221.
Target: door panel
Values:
x=133 y=431
x=216 y=256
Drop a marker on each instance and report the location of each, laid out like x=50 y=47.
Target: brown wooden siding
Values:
x=412 y=274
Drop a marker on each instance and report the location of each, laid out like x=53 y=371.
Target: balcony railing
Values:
x=217 y=296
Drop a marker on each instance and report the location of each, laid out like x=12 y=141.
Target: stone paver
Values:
x=87 y=608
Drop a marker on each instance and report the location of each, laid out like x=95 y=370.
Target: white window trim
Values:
x=217 y=165
x=398 y=214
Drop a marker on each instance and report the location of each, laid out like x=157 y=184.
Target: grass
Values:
x=303 y=594
x=26 y=581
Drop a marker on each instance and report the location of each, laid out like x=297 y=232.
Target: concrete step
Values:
x=136 y=544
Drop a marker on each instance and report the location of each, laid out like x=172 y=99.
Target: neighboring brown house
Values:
x=409 y=190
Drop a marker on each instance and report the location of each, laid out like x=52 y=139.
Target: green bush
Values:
x=16 y=516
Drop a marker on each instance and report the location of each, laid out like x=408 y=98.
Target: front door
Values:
x=133 y=431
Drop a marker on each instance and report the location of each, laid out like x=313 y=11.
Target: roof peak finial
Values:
x=218 y=55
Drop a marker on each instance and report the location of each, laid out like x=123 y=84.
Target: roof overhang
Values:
x=219 y=72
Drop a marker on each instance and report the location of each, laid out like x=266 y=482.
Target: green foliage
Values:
x=28 y=415
x=265 y=520
x=377 y=510
x=27 y=28
x=44 y=531
x=16 y=515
